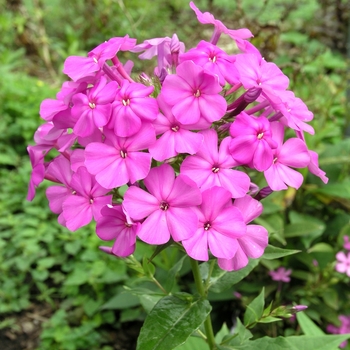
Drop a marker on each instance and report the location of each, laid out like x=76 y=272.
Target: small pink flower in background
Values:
x=281 y=274
x=346 y=243
x=343 y=329
x=237 y=295
x=343 y=263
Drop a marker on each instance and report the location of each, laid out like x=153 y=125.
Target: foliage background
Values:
x=57 y=290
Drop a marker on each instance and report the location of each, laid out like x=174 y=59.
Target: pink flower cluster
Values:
x=179 y=145
x=344 y=328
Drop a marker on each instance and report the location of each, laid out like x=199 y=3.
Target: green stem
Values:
x=202 y=292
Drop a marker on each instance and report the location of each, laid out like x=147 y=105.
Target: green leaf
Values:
x=77 y=278
x=219 y=336
x=171 y=322
x=148 y=301
x=269 y=319
x=228 y=279
x=123 y=300
x=304 y=228
x=307 y=325
x=311 y=227
x=193 y=343
x=302 y=342
x=170 y=281
x=272 y=252
x=241 y=335
x=255 y=309
x=148 y=267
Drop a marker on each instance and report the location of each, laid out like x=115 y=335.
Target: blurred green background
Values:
x=57 y=290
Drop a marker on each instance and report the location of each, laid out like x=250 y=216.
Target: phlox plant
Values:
x=182 y=157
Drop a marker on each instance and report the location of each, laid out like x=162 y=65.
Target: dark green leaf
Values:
x=193 y=343
x=307 y=325
x=272 y=252
x=255 y=309
x=148 y=267
x=171 y=322
x=170 y=281
x=303 y=342
x=228 y=279
x=241 y=335
x=123 y=300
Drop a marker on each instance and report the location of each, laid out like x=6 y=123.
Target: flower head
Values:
x=167 y=207
x=343 y=263
x=194 y=94
x=281 y=274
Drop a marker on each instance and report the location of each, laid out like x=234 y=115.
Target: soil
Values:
x=24 y=331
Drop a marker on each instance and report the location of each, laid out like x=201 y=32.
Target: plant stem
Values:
x=203 y=293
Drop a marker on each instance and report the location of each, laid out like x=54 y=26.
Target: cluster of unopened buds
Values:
x=168 y=157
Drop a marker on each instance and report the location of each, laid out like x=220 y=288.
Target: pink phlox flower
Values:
x=36 y=156
x=252 y=142
x=168 y=208
x=194 y=93
x=70 y=88
x=295 y=112
x=109 y=49
x=78 y=68
x=292 y=153
x=256 y=72
x=50 y=107
x=346 y=243
x=59 y=170
x=343 y=263
x=114 y=225
x=60 y=108
x=253 y=243
x=127 y=67
x=86 y=201
x=212 y=167
x=313 y=165
x=281 y=274
x=315 y=169
x=247 y=47
x=163 y=48
x=175 y=137
x=208 y=18
x=94 y=108
x=219 y=226
x=119 y=160
x=132 y=106
x=344 y=328
x=77 y=159
x=214 y=60
x=47 y=136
